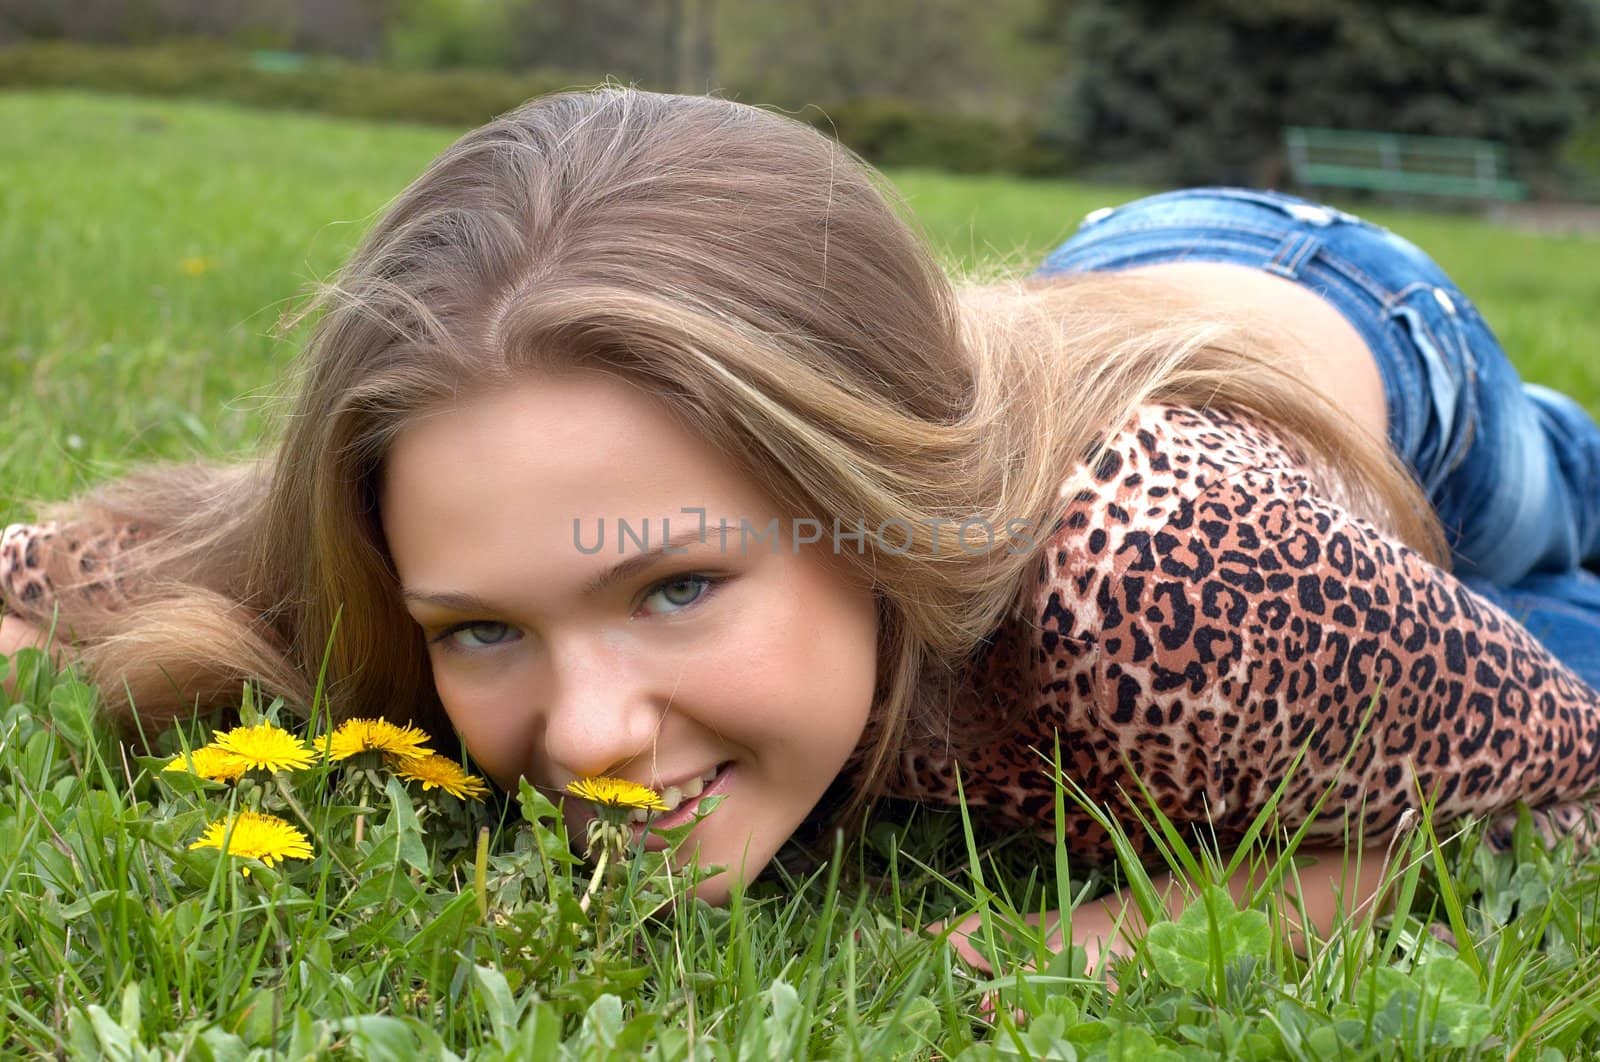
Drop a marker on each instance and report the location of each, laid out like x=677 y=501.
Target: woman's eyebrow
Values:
x=641 y=561
x=457 y=601
x=448 y=599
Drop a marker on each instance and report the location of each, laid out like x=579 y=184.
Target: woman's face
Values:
x=744 y=672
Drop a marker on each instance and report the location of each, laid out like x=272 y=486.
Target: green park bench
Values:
x=1455 y=167
x=278 y=62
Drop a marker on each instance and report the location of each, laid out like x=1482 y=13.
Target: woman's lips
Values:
x=684 y=812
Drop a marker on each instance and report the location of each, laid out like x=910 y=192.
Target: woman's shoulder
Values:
x=1162 y=459
x=1035 y=680
x=1115 y=508
x=1197 y=443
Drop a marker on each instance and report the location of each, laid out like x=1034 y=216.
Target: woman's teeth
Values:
x=674 y=795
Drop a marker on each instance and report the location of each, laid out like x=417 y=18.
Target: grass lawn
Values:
x=146 y=249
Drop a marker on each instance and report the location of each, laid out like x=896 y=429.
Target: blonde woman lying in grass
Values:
x=643 y=436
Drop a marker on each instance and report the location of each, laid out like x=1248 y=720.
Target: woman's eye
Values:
x=678 y=594
x=483 y=634
x=683 y=591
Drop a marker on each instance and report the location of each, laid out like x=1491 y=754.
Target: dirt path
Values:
x=1551 y=219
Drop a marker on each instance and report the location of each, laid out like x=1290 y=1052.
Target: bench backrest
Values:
x=1438 y=165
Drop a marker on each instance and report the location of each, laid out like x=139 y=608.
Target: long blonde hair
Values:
x=775 y=292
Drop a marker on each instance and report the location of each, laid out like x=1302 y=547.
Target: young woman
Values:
x=643 y=435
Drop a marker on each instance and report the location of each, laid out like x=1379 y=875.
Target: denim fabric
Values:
x=1512 y=469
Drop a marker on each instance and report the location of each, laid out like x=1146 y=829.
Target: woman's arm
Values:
x=1327 y=881
x=17 y=633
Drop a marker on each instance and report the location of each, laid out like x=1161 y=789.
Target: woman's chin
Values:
x=716 y=889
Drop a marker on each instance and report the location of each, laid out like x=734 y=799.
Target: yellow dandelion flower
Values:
x=616 y=793
x=195 y=266
x=253 y=835
x=355 y=736
x=265 y=746
x=211 y=762
x=436 y=770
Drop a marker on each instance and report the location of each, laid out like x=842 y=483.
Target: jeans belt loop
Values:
x=1293 y=253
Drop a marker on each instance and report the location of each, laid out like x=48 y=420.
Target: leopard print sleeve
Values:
x=1296 y=618
x=38 y=560
x=21 y=593
x=1265 y=617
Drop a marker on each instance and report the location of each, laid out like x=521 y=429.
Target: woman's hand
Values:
x=1093 y=929
x=1330 y=883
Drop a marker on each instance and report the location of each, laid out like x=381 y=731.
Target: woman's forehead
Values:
x=530 y=463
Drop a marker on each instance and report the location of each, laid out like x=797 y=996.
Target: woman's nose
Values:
x=602 y=713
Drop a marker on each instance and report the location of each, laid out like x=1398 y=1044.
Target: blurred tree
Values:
x=666 y=45
x=695 y=26
x=345 y=27
x=977 y=58
x=990 y=60
x=447 y=33
x=944 y=59
x=1199 y=92
x=634 y=40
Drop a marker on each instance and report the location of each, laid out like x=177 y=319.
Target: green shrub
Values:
x=895 y=132
x=1583 y=150
x=325 y=85
x=1576 y=173
x=887 y=131
x=891 y=131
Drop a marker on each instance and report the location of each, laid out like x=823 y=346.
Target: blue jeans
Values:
x=1512 y=469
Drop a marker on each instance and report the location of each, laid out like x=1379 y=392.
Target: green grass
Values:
x=121 y=941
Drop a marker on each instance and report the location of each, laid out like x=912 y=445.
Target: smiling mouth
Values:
x=682 y=799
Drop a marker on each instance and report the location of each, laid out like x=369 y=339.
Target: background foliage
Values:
x=1144 y=90
x=1200 y=91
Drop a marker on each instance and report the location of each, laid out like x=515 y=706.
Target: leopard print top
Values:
x=1206 y=606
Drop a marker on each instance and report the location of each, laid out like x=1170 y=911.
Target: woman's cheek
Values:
x=496 y=735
